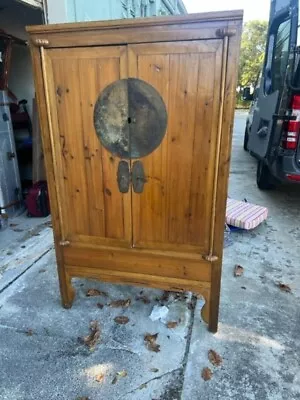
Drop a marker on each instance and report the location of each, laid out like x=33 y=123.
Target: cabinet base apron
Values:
x=171 y=272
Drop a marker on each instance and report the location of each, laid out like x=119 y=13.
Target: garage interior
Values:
x=20 y=143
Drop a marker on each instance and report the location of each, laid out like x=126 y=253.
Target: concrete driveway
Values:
x=259 y=331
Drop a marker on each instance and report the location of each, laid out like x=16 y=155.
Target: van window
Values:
x=281 y=55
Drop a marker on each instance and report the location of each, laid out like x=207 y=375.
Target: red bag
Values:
x=37 y=200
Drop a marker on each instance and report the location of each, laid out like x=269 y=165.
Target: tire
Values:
x=264 y=178
x=246 y=139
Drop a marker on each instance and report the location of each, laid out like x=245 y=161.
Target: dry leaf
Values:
x=121 y=319
x=284 y=287
x=120 y=303
x=172 y=324
x=114 y=381
x=214 y=358
x=100 y=305
x=121 y=374
x=99 y=378
x=165 y=296
x=42 y=270
x=206 y=374
x=143 y=298
x=150 y=342
x=180 y=296
x=154 y=369
x=238 y=270
x=94 y=336
x=29 y=332
x=95 y=292
x=143 y=386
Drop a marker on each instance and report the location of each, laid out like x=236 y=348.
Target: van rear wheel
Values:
x=264 y=178
x=246 y=139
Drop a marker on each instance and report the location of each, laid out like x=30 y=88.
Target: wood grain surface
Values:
x=169 y=233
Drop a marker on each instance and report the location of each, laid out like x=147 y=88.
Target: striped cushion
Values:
x=244 y=215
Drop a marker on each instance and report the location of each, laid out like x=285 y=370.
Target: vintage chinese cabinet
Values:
x=136 y=119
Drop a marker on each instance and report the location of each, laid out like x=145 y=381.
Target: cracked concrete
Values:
x=32 y=304
x=258 y=337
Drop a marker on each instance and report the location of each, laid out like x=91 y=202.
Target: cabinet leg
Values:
x=206 y=307
x=209 y=312
x=66 y=289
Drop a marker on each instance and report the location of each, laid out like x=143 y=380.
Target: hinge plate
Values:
x=222 y=33
x=41 y=42
x=211 y=258
x=64 y=243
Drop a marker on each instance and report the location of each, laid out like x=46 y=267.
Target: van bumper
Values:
x=286 y=169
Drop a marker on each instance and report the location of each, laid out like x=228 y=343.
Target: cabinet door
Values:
x=91 y=207
x=174 y=210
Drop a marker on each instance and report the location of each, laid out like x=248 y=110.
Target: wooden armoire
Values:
x=136 y=118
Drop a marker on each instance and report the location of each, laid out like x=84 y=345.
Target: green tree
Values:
x=252 y=51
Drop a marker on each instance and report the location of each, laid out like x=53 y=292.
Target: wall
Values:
x=91 y=10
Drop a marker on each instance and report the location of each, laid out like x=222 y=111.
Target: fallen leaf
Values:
x=150 y=342
x=154 y=369
x=100 y=305
x=172 y=324
x=114 y=381
x=121 y=319
x=12 y=225
x=284 y=287
x=99 y=378
x=214 y=358
x=23 y=247
x=143 y=298
x=94 y=336
x=120 y=303
x=121 y=374
x=238 y=270
x=165 y=296
x=206 y=374
x=180 y=296
x=9 y=253
x=243 y=287
x=42 y=270
x=143 y=386
x=29 y=332
x=18 y=230
x=95 y=292
x=48 y=223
